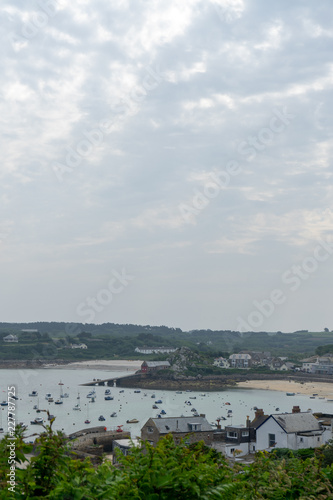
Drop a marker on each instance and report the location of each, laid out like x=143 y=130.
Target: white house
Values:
x=221 y=363
x=10 y=338
x=79 y=346
x=290 y=430
x=155 y=350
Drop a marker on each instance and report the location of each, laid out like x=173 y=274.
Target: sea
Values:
x=234 y=405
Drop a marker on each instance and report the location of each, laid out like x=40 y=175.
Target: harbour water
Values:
x=129 y=404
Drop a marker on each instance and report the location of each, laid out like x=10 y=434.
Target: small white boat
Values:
x=58 y=402
x=33 y=394
x=114 y=414
x=77 y=407
x=37 y=421
x=66 y=395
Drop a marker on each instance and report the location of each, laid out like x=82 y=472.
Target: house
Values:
x=241 y=438
x=155 y=350
x=290 y=430
x=10 y=338
x=191 y=429
x=279 y=364
x=124 y=446
x=308 y=363
x=221 y=362
x=79 y=346
x=152 y=366
x=240 y=361
x=259 y=358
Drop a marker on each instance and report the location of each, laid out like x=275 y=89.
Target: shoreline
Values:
x=97 y=364
x=321 y=389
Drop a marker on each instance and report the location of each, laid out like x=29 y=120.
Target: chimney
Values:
x=296 y=409
x=247 y=421
x=259 y=413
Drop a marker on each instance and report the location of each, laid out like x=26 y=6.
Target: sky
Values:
x=167 y=163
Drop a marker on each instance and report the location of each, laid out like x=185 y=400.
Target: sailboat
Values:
x=87 y=421
x=77 y=406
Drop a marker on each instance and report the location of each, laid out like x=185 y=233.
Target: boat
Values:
x=108 y=398
x=163 y=412
x=290 y=394
x=229 y=405
x=101 y=418
x=193 y=397
x=132 y=421
x=179 y=392
x=87 y=421
x=114 y=414
x=47 y=396
x=33 y=394
x=1 y=430
x=50 y=417
x=35 y=407
x=4 y=403
x=119 y=428
x=203 y=394
x=193 y=409
x=66 y=395
x=122 y=390
x=91 y=394
x=312 y=397
x=277 y=409
x=77 y=407
x=60 y=383
x=37 y=421
x=158 y=402
x=92 y=400
x=136 y=392
x=153 y=396
x=107 y=392
x=196 y=414
x=50 y=400
x=155 y=407
x=58 y=402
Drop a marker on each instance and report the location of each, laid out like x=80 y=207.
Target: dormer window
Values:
x=194 y=427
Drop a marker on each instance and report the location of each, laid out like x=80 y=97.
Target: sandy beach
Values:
x=323 y=389
x=101 y=364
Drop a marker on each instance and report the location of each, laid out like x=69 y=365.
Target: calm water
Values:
x=129 y=404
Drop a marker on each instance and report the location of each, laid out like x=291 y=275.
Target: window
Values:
x=271 y=440
x=232 y=450
x=245 y=433
x=231 y=434
x=301 y=440
x=318 y=439
x=253 y=448
x=150 y=429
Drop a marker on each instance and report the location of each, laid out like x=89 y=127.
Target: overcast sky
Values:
x=167 y=163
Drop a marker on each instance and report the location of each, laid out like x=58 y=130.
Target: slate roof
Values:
x=180 y=424
x=297 y=422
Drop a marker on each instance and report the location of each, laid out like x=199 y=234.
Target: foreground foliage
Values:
x=166 y=472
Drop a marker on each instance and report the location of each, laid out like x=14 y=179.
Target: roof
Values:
x=296 y=422
x=153 y=364
x=179 y=424
x=258 y=421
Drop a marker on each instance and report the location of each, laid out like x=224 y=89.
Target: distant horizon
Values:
x=166 y=326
